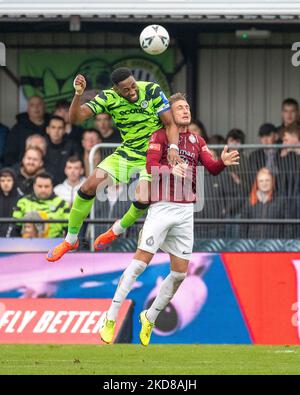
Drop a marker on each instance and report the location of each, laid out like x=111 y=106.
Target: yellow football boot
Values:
x=108 y=330
x=146 y=330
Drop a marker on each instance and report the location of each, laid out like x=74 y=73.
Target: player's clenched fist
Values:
x=79 y=84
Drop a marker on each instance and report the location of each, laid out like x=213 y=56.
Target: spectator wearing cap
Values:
x=73 y=131
x=108 y=132
x=59 y=148
x=3 y=136
x=74 y=172
x=45 y=203
x=264 y=157
x=34 y=121
x=32 y=164
x=9 y=195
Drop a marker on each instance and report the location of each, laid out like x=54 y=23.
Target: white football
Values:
x=154 y=39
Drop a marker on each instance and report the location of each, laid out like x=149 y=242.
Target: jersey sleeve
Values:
x=159 y=99
x=158 y=143
x=98 y=104
x=213 y=166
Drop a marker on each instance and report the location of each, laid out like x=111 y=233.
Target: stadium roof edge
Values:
x=147 y=8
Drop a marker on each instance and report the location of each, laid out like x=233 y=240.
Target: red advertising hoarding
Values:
x=267 y=288
x=57 y=321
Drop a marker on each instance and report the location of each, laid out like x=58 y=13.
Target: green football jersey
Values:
x=135 y=121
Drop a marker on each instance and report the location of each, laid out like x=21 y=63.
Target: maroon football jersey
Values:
x=194 y=151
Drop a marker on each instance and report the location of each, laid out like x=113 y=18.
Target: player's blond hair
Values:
x=176 y=97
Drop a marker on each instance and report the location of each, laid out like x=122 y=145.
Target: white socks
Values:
x=71 y=239
x=126 y=282
x=167 y=290
x=117 y=228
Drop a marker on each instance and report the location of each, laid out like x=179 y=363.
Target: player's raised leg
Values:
x=135 y=268
x=166 y=292
x=137 y=209
x=80 y=210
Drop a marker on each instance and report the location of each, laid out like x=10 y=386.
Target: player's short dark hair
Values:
x=44 y=175
x=236 y=134
x=176 y=97
x=91 y=130
x=120 y=74
x=62 y=104
x=56 y=118
x=290 y=102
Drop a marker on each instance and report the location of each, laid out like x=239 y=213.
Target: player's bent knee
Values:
x=99 y=176
x=179 y=276
x=144 y=256
x=88 y=188
x=142 y=193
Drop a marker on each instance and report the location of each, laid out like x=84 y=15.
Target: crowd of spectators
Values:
x=44 y=160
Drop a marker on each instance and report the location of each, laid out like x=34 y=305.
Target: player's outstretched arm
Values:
x=216 y=166
x=77 y=112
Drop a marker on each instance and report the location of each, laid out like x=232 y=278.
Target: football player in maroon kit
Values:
x=170 y=218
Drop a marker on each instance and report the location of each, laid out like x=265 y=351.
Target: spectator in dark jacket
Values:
x=264 y=157
x=264 y=204
x=289 y=164
x=73 y=131
x=3 y=136
x=240 y=174
x=289 y=113
x=31 y=122
x=60 y=148
x=31 y=165
x=9 y=195
x=214 y=203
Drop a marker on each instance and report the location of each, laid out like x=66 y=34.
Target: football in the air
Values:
x=154 y=39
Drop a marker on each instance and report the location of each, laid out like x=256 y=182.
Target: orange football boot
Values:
x=57 y=252
x=105 y=239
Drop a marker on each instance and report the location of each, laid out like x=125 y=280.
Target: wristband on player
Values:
x=173 y=146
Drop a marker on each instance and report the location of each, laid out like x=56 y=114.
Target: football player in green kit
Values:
x=138 y=109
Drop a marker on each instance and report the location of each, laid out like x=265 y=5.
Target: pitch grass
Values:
x=155 y=359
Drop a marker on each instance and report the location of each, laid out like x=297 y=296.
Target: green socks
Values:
x=136 y=210
x=80 y=210
x=82 y=206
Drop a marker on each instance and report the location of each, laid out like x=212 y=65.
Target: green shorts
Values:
x=122 y=166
